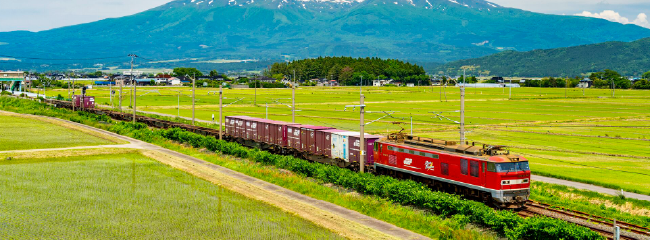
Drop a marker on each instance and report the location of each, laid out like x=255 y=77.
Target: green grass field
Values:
x=590 y=137
x=18 y=133
x=129 y=196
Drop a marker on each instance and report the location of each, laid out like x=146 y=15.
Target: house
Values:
x=175 y=81
x=585 y=83
x=14 y=79
x=381 y=83
x=264 y=79
x=410 y=84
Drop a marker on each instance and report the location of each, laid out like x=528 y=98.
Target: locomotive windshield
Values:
x=509 y=167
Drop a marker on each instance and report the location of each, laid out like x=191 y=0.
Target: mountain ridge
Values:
x=414 y=30
x=627 y=58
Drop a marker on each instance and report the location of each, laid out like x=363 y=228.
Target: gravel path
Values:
x=589 y=187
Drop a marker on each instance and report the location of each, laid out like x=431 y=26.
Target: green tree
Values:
x=214 y=74
x=182 y=72
x=346 y=76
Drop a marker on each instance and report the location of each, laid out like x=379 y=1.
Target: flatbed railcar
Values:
x=486 y=173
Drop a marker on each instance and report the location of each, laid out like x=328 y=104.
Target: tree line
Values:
x=605 y=79
x=347 y=70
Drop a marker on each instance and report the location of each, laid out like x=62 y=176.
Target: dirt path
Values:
x=345 y=222
x=589 y=187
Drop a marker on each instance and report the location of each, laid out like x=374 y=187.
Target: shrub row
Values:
x=405 y=192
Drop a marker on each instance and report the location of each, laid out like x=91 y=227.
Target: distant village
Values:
x=17 y=80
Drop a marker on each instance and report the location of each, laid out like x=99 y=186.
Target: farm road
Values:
x=348 y=223
x=589 y=187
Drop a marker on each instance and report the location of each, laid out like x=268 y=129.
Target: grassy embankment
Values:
x=21 y=133
x=592 y=138
x=130 y=196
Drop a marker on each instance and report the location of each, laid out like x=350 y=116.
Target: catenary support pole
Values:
x=120 y=100
x=133 y=81
x=178 y=108
x=220 y=112
x=293 y=98
x=362 y=143
x=193 y=97
x=462 y=115
x=110 y=93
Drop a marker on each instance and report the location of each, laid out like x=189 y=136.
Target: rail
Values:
x=602 y=225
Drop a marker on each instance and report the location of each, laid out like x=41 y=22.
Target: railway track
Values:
x=602 y=225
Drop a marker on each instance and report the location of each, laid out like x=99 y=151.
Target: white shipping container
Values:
x=341 y=145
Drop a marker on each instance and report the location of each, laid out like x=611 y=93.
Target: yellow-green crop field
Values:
x=128 y=196
x=589 y=136
x=19 y=133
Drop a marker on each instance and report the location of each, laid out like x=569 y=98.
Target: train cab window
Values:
x=473 y=168
x=463 y=166
x=491 y=167
x=484 y=167
x=444 y=169
x=376 y=147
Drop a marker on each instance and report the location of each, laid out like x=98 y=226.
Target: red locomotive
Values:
x=487 y=173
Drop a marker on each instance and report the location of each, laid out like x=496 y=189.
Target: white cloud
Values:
x=641 y=19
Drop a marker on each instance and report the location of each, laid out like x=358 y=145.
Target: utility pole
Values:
x=293 y=98
x=362 y=144
x=193 y=97
x=510 y=89
x=613 y=89
x=133 y=56
x=179 y=105
x=267 y=110
x=73 y=100
x=220 y=111
x=462 y=115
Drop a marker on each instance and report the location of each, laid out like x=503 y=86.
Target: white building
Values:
x=381 y=83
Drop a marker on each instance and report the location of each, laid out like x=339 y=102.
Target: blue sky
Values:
x=38 y=15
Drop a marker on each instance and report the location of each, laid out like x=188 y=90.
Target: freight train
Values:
x=490 y=174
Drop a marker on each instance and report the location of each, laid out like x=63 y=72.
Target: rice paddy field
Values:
x=594 y=136
x=128 y=196
x=20 y=133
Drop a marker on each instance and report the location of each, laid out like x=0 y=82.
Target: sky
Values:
x=38 y=15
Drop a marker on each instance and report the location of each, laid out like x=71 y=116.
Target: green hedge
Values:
x=405 y=192
x=400 y=191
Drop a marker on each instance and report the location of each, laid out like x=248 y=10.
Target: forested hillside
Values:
x=629 y=59
x=348 y=70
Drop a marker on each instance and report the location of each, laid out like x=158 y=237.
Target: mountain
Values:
x=206 y=31
x=629 y=59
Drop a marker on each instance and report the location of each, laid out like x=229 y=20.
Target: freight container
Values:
x=324 y=141
x=293 y=136
x=355 y=147
x=340 y=145
x=88 y=101
x=266 y=130
x=281 y=133
x=238 y=129
x=308 y=138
